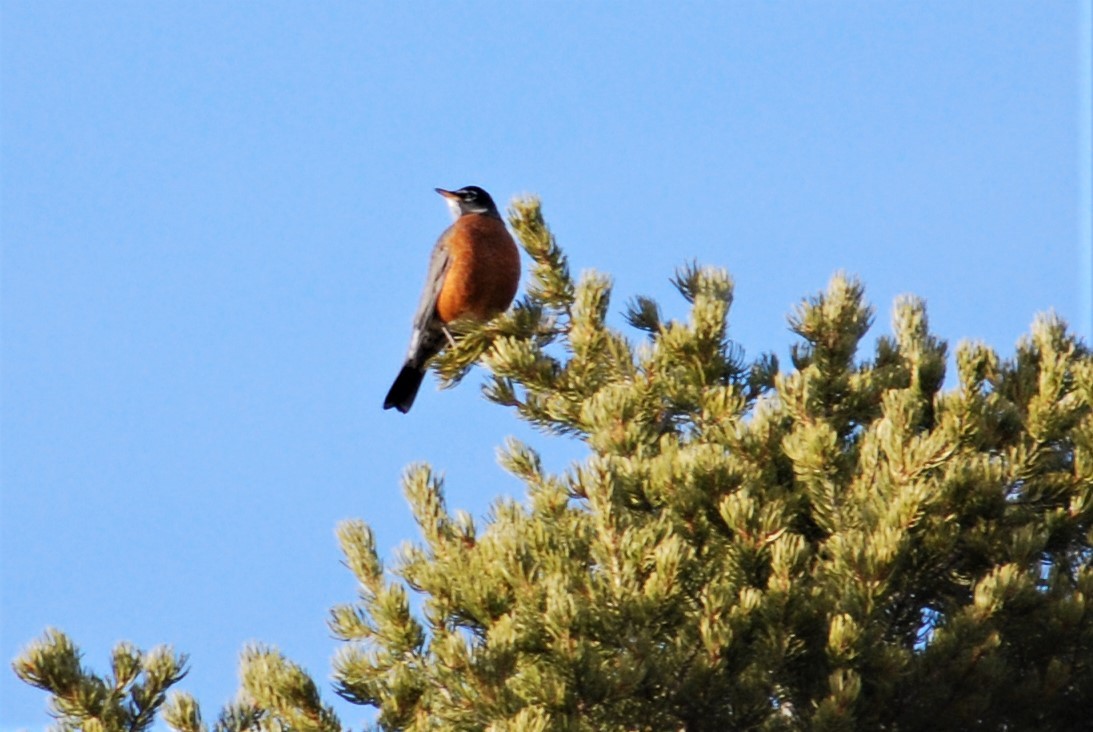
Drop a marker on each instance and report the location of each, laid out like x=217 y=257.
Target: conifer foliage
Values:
x=841 y=545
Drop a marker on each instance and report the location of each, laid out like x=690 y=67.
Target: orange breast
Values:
x=485 y=269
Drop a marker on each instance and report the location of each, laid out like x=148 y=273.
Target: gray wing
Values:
x=426 y=336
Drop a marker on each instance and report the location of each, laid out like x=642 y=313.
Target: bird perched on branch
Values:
x=474 y=272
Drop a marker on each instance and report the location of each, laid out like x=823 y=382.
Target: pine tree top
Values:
x=840 y=545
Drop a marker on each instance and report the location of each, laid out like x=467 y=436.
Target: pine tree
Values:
x=842 y=545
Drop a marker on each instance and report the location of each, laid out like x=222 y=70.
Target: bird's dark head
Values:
x=469 y=200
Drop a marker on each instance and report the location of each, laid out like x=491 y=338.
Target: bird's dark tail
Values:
x=402 y=393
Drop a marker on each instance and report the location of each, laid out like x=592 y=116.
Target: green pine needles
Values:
x=840 y=546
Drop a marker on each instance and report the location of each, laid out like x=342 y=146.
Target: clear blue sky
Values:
x=216 y=219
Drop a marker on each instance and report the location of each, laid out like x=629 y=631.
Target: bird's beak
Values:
x=448 y=194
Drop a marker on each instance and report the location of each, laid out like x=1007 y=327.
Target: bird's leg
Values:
x=449 y=335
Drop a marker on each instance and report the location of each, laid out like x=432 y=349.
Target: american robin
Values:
x=473 y=273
